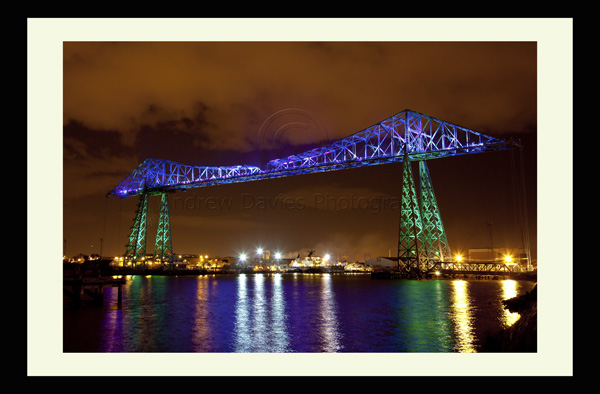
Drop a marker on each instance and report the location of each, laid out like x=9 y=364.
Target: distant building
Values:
x=183 y=261
x=384 y=262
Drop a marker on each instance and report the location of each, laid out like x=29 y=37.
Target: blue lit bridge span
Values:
x=405 y=137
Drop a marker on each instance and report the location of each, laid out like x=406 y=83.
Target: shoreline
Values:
x=521 y=337
x=78 y=271
x=532 y=277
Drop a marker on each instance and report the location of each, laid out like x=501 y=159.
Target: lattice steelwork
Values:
x=481 y=267
x=157 y=174
x=163 y=247
x=422 y=136
x=136 y=247
x=412 y=251
x=434 y=236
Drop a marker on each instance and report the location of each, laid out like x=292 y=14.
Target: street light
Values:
x=243 y=257
x=277 y=255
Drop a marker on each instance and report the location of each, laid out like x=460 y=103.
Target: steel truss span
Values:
x=420 y=136
x=405 y=137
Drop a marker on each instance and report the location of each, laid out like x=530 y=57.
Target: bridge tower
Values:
x=163 y=247
x=422 y=241
x=434 y=234
x=136 y=247
x=413 y=258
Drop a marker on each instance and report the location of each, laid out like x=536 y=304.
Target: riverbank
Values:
x=530 y=276
x=71 y=270
x=94 y=270
x=195 y=272
x=520 y=337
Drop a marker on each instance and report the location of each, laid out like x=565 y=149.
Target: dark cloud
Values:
x=122 y=86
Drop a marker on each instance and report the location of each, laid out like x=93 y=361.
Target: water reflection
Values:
x=292 y=313
x=443 y=332
x=279 y=322
x=329 y=330
x=423 y=325
x=462 y=317
x=260 y=315
x=509 y=290
x=243 y=340
x=146 y=320
x=112 y=328
x=201 y=337
x=259 y=305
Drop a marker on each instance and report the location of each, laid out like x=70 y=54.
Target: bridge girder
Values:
x=420 y=136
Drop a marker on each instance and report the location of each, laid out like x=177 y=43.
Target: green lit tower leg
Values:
x=412 y=254
x=163 y=248
x=434 y=235
x=136 y=247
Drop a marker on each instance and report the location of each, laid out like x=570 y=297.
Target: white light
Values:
x=243 y=257
x=327 y=257
x=277 y=255
x=259 y=251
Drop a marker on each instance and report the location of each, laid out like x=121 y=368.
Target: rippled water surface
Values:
x=291 y=313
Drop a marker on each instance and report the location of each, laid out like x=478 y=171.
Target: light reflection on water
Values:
x=328 y=328
x=201 y=331
x=260 y=323
x=422 y=312
x=462 y=317
x=509 y=288
x=243 y=339
x=279 y=325
x=292 y=313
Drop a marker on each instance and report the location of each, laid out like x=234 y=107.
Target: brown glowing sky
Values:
x=203 y=102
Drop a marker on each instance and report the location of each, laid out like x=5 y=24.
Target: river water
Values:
x=291 y=313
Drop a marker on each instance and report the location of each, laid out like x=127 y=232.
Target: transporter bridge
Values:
x=406 y=137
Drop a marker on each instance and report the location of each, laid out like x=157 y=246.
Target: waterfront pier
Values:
x=80 y=285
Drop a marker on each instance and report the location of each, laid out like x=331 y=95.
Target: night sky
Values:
x=228 y=103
